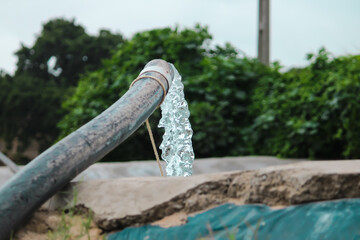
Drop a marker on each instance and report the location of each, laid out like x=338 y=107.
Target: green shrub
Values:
x=238 y=106
x=217 y=81
x=311 y=112
x=219 y=101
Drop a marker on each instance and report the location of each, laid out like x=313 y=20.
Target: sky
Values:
x=297 y=27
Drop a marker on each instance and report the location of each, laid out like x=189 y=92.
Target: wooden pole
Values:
x=264 y=32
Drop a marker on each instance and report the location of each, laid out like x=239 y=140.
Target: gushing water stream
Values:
x=177 y=150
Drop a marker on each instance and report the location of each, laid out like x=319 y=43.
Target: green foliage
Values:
x=74 y=52
x=30 y=101
x=75 y=221
x=28 y=108
x=219 y=100
x=238 y=106
x=311 y=112
x=101 y=88
x=217 y=83
x=72 y=225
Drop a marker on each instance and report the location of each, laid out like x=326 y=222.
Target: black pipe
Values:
x=53 y=169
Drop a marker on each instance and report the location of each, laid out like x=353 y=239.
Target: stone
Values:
x=119 y=203
x=150 y=168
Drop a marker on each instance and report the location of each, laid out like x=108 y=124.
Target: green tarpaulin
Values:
x=322 y=220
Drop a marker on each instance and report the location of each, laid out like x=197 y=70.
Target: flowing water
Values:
x=177 y=150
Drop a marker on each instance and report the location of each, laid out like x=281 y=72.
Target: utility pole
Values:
x=264 y=32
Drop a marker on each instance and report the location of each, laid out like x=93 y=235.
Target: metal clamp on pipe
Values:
x=53 y=169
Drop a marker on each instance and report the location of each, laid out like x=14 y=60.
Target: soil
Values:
x=56 y=225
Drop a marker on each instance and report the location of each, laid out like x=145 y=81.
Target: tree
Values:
x=63 y=50
x=46 y=74
x=29 y=110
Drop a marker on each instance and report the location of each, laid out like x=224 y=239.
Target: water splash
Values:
x=177 y=150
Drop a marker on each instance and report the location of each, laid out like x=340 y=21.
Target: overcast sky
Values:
x=297 y=26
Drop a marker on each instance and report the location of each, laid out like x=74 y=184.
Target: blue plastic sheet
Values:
x=322 y=220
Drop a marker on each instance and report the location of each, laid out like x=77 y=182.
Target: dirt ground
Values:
x=55 y=225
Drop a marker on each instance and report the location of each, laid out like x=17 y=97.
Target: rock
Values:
x=119 y=203
x=150 y=168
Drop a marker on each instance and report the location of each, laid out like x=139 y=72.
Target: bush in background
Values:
x=238 y=106
x=311 y=112
x=218 y=85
